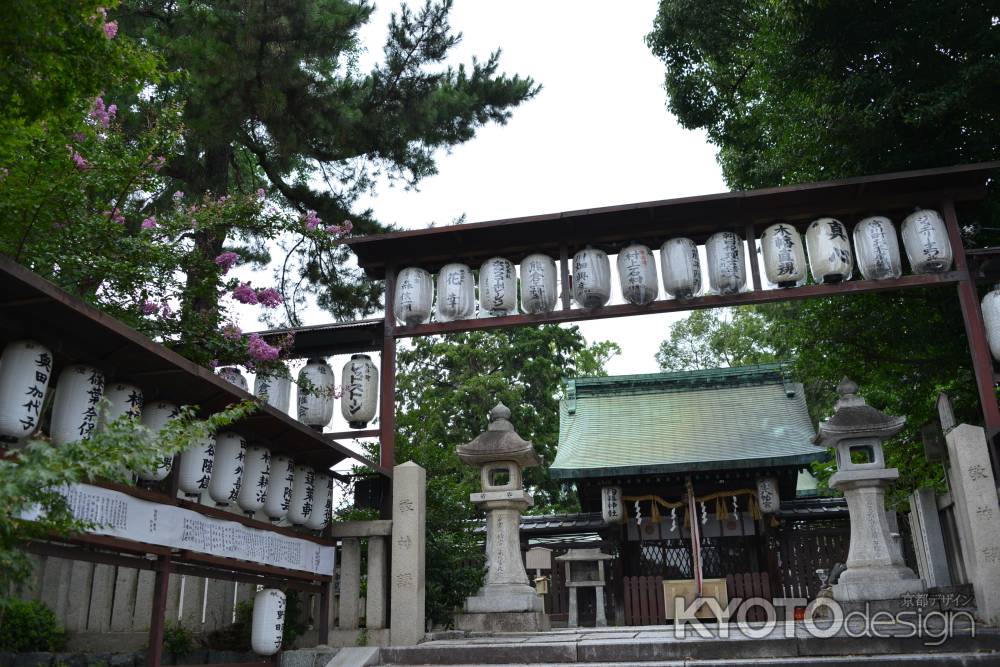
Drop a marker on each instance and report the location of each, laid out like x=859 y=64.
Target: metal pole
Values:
x=975 y=332
x=154 y=656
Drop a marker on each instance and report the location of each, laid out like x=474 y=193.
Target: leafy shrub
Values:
x=178 y=640
x=29 y=626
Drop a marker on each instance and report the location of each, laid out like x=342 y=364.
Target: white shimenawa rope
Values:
x=638 y=514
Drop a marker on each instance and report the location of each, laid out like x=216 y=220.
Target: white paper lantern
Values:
x=591 y=278
x=413 y=296
x=25 y=371
x=612 y=506
x=322 y=502
x=233 y=375
x=727 y=271
x=783 y=254
x=497 y=287
x=829 y=251
x=227 y=473
x=767 y=495
x=268 y=621
x=255 y=481
x=637 y=275
x=877 y=248
x=274 y=389
x=925 y=238
x=456 y=293
x=538 y=284
x=360 y=383
x=316 y=386
x=154 y=417
x=74 y=407
x=279 y=488
x=991 y=317
x=681 y=268
x=195 y=467
x=303 y=495
x=123 y=399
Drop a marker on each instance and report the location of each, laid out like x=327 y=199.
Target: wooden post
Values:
x=387 y=402
x=975 y=332
x=752 y=249
x=154 y=656
x=564 y=277
x=323 y=618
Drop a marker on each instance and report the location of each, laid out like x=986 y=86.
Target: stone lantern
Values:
x=875 y=568
x=506 y=602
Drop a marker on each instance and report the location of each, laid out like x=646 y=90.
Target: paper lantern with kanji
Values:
x=233 y=375
x=413 y=296
x=497 y=287
x=316 y=386
x=195 y=468
x=303 y=495
x=74 y=407
x=991 y=318
x=255 y=481
x=783 y=255
x=360 y=387
x=830 y=259
x=591 y=278
x=123 y=399
x=612 y=505
x=538 y=284
x=25 y=372
x=456 y=293
x=275 y=389
x=155 y=416
x=268 y=622
x=230 y=463
x=768 y=499
x=925 y=238
x=877 y=248
x=637 y=274
x=727 y=273
x=279 y=488
x=322 y=502
x=681 y=268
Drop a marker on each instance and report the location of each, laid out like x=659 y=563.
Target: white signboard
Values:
x=120 y=515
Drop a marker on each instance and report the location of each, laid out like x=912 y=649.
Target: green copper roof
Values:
x=672 y=422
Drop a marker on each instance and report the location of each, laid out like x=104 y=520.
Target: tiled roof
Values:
x=672 y=422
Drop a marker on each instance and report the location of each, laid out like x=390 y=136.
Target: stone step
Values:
x=895 y=660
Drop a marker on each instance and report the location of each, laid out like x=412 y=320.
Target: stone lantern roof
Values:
x=854 y=418
x=499 y=443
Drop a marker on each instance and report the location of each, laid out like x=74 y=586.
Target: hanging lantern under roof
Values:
x=74 y=407
x=612 y=505
x=25 y=372
x=195 y=469
x=233 y=375
x=303 y=495
x=360 y=385
x=123 y=399
x=414 y=294
x=497 y=287
x=255 y=481
x=456 y=293
x=637 y=275
x=322 y=502
x=268 y=622
x=316 y=386
x=155 y=416
x=783 y=254
x=925 y=238
x=768 y=499
x=877 y=248
x=727 y=272
x=538 y=284
x=681 y=268
x=274 y=388
x=227 y=472
x=991 y=318
x=591 y=278
x=829 y=249
x=279 y=488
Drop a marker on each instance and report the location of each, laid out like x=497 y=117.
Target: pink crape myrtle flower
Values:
x=226 y=261
x=80 y=161
x=270 y=298
x=102 y=114
x=178 y=195
x=312 y=220
x=261 y=193
x=258 y=348
x=115 y=216
x=344 y=228
x=111 y=29
x=231 y=332
x=149 y=223
x=149 y=307
x=245 y=294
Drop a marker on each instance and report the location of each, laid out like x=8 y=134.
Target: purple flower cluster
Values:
x=258 y=348
x=231 y=332
x=149 y=307
x=149 y=223
x=80 y=161
x=115 y=216
x=245 y=294
x=111 y=29
x=312 y=220
x=226 y=261
x=270 y=298
x=102 y=114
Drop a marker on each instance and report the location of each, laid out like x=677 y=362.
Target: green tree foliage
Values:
x=716 y=338
x=796 y=92
x=445 y=388
x=272 y=93
x=29 y=626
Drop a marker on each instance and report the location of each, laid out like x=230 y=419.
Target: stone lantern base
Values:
x=504 y=608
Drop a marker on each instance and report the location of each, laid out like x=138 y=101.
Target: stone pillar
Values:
x=974 y=492
x=928 y=540
x=375 y=599
x=602 y=619
x=350 y=582
x=408 y=580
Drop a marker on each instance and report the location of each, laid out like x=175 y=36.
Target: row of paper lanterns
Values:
x=359 y=382
x=223 y=466
x=830 y=260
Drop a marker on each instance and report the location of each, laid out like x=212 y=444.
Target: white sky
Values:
x=598 y=134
